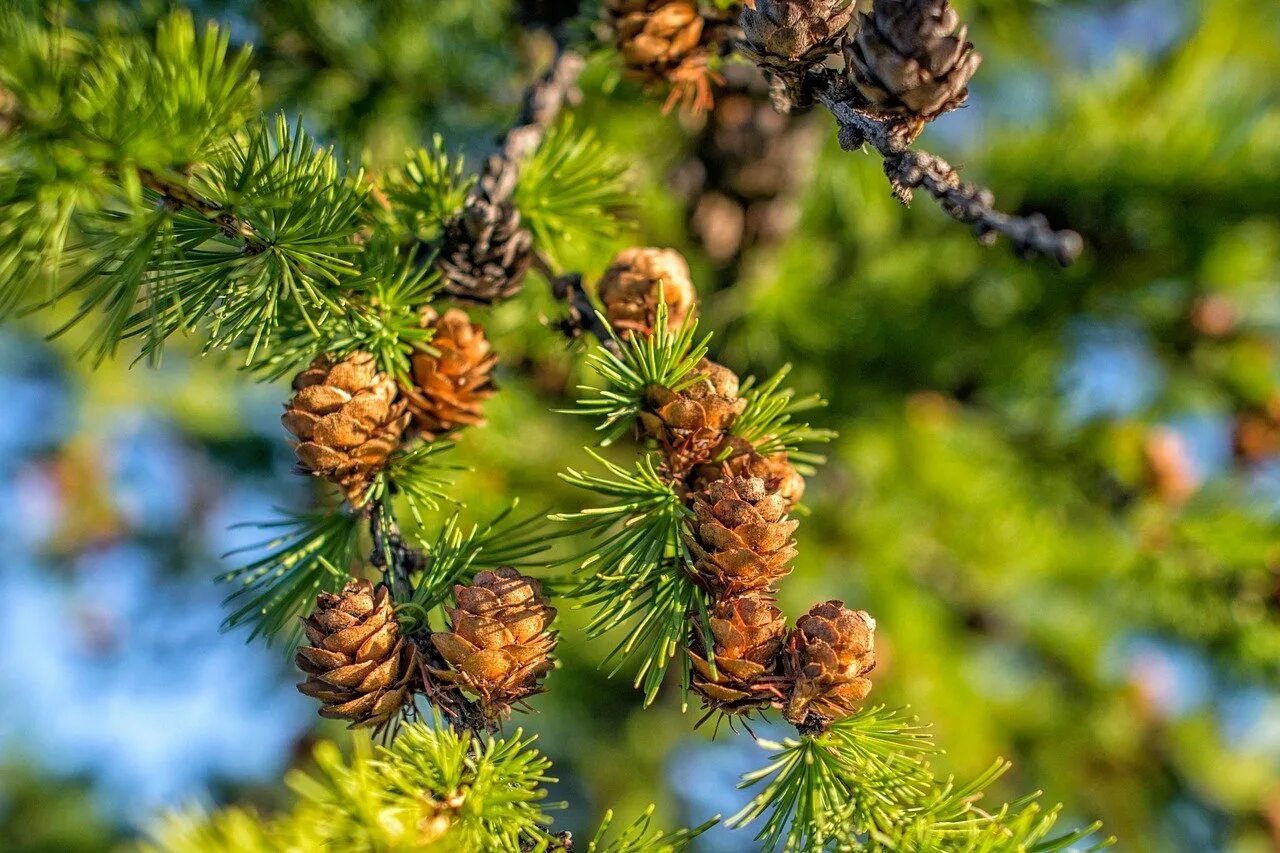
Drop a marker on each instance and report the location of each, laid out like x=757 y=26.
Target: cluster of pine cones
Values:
x=741 y=537
x=493 y=655
x=349 y=418
x=908 y=59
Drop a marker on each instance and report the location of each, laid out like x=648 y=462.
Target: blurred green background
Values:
x=1056 y=490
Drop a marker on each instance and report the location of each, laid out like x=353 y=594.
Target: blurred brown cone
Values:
x=359 y=666
x=450 y=386
x=907 y=59
x=747 y=631
x=629 y=290
x=498 y=646
x=741 y=536
x=348 y=420
x=690 y=423
x=829 y=653
x=748 y=168
x=789 y=35
x=661 y=41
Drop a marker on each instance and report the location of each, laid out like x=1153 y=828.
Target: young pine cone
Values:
x=907 y=59
x=498 y=646
x=348 y=421
x=485 y=253
x=449 y=389
x=661 y=41
x=748 y=630
x=691 y=423
x=737 y=458
x=791 y=35
x=829 y=653
x=359 y=666
x=741 y=537
x=629 y=290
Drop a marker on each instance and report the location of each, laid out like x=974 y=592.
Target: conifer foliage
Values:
x=144 y=188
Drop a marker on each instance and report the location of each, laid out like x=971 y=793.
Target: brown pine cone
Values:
x=741 y=537
x=485 y=252
x=629 y=289
x=829 y=653
x=450 y=388
x=348 y=420
x=748 y=631
x=662 y=41
x=498 y=646
x=907 y=59
x=690 y=423
x=791 y=35
x=359 y=666
x=737 y=458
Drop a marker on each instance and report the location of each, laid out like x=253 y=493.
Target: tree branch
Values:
x=177 y=197
x=909 y=169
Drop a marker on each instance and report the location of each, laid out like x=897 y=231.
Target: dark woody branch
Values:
x=909 y=169
x=906 y=62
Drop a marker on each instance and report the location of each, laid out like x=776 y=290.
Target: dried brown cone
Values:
x=737 y=458
x=909 y=60
x=348 y=420
x=629 y=290
x=662 y=41
x=791 y=35
x=358 y=665
x=451 y=384
x=485 y=252
x=690 y=424
x=741 y=535
x=499 y=644
x=747 y=631
x=829 y=654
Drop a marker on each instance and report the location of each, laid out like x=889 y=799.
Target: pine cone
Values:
x=348 y=420
x=691 y=423
x=359 y=666
x=748 y=630
x=791 y=35
x=662 y=41
x=907 y=59
x=737 y=458
x=829 y=653
x=449 y=389
x=485 y=252
x=749 y=166
x=654 y=36
x=498 y=645
x=742 y=536
x=629 y=289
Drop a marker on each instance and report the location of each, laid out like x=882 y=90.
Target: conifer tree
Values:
x=145 y=187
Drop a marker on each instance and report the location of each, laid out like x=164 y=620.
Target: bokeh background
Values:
x=1059 y=492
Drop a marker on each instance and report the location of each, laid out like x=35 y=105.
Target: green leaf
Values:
x=766 y=421
x=570 y=193
x=457 y=553
x=639 y=837
x=639 y=580
x=427 y=190
x=865 y=784
x=306 y=554
x=665 y=359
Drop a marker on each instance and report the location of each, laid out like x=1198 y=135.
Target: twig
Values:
x=909 y=169
x=177 y=197
x=581 y=316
